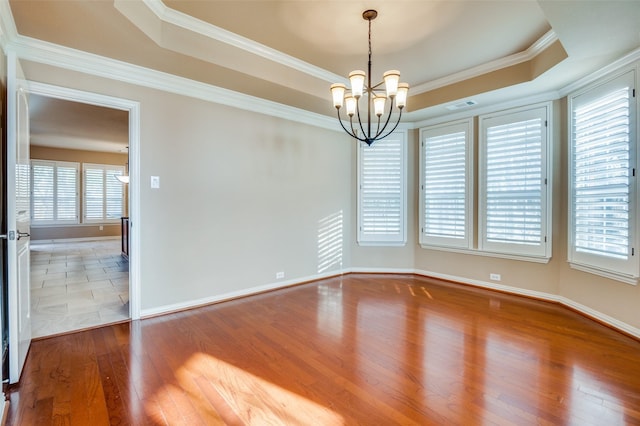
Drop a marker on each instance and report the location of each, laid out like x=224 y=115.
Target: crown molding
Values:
x=626 y=60
x=536 y=48
x=75 y=60
x=190 y=23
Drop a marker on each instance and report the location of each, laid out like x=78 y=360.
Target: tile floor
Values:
x=77 y=285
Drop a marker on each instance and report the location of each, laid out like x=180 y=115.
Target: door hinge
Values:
x=634 y=93
x=546 y=123
x=633 y=251
x=545 y=238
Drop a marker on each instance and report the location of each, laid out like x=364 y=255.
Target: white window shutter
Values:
x=446 y=181
x=103 y=193
x=602 y=185
x=382 y=191
x=514 y=181
x=54 y=192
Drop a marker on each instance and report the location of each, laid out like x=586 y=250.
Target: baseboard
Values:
x=192 y=304
x=604 y=319
x=568 y=303
x=76 y=240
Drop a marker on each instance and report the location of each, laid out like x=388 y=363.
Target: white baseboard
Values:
x=74 y=240
x=585 y=310
x=176 y=307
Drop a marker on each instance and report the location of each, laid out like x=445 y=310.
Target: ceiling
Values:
x=291 y=51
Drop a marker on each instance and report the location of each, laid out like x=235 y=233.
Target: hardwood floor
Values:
x=358 y=349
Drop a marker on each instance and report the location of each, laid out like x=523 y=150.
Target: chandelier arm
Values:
x=394 y=127
x=386 y=123
x=354 y=133
x=342 y=124
x=359 y=120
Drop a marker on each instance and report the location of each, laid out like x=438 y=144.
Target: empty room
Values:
x=335 y=213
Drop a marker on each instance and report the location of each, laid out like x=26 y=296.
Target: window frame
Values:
x=628 y=270
x=105 y=169
x=55 y=221
x=542 y=250
x=400 y=238
x=448 y=128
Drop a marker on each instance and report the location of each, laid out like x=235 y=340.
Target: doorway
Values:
x=80 y=276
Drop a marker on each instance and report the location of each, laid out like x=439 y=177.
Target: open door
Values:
x=18 y=206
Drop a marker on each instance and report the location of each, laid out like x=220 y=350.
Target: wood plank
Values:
x=357 y=349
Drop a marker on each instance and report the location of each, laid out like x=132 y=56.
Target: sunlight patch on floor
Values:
x=253 y=400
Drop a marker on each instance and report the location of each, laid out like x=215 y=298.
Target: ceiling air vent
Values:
x=460 y=105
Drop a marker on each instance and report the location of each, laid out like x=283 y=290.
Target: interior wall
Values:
x=41 y=233
x=242 y=195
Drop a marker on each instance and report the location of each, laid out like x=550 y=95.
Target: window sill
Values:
x=524 y=258
x=617 y=276
x=382 y=244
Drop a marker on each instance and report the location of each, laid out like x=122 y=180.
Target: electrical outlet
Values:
x=495 y=277
x=101 y=228
x=279 y=275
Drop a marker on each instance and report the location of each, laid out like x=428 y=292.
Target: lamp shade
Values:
x=351 y=103
x=378 y=104
x=401 y=96
x=337 y=91
x=391 y=80
x=357 y=82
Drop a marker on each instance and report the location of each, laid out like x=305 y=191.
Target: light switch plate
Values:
x=155 y=182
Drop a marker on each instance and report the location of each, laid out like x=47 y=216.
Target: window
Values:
x=54 y=192
x=513 y=199
x=602 y=176
x=446 y=184
x=103 y=193
x=382 y=191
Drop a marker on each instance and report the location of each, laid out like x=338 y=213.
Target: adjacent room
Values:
x=407 y=212
x=79 y=260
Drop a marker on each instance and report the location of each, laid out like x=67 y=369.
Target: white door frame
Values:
x=133 y=107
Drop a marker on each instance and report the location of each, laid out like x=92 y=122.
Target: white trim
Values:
x=76 y=60
x=133 y=107
x=566 y=302
x=181 y=306
x=561 y=300
x=549 y=96
x=477 y=252
x=536 y=48
x=74 y=240
x=190 y=23
x=627 y=279
x=601 y=73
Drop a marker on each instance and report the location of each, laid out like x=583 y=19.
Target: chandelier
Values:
x=396 y=92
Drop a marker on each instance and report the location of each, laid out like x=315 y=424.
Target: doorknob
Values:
x=23 y=234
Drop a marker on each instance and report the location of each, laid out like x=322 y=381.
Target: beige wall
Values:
x=242 y=195
x=81 y=230
x=245 y=195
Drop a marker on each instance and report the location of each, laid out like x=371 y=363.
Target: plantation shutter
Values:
x=43 y=193
x=382 y=191
x=67 y=193
x=445 y=194
x=514 y=190
x=54 y=192
x=103 y=193
x=602 y=170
